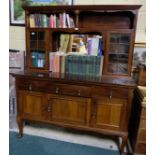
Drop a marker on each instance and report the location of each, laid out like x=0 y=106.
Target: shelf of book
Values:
x=58 y=26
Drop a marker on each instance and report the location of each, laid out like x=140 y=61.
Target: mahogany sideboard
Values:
x=98 y=103
x=92 y=103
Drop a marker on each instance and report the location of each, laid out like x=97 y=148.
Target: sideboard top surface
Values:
x=84 y=79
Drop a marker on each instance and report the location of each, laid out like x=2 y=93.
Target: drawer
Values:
x=66 y=98
x=31 y=85
x=110 y=92
x=67 y=89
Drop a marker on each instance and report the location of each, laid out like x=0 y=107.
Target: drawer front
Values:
x=32 y=85
x=46 y=86
x=110 y=92
x=72 y=90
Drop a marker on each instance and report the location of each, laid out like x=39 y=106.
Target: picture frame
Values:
x=17 y=16
x=139 y=54
x=16 y=60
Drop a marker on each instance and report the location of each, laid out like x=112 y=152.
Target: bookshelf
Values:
x=115 y=25
x=78 y=66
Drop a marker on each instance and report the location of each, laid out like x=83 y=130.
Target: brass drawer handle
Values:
x=30 y=87
x=46 y=109
x=49 y=109
x=57 y=90
x=110 y=96
x=94 y=115
x=79 y=93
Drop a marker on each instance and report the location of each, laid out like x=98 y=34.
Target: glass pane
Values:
x=118 y=48
x=37 y=49
x=37 y=58
x=118 y=53
x=119 y=38
x=118 y=68
x=118 y=58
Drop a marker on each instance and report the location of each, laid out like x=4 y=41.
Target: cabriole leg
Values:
x=20 y=127
x=123 y=144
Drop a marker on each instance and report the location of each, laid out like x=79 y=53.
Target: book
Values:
x=84 y=65
x=64 y=42
x=51 y=21
x=101 y=65
x=32 y=21
x=68 y=20
x=34 y=59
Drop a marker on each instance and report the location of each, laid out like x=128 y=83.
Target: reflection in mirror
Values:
x=88 y=44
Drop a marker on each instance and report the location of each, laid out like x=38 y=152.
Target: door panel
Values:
x=33 y=104
x=107 y=113
x=68 y=109
x=119 y=52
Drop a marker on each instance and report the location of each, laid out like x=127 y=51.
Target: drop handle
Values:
x=57 y=90
x=49 y=109
x=94 y=115
x=79 y=92
x=30 y=87
x=44 y=109
x=110 y=95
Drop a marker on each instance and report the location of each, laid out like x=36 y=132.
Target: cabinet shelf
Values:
x=115 y=26
x=127 y=44
x=89 y=29
x=113 y=53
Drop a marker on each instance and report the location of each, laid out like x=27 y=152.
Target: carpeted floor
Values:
x=34 y=145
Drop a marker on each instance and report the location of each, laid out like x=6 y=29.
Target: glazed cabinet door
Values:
x=108 y=112
x=68 y=109
x=119 y=52
x=37 y=49
x=32 y=105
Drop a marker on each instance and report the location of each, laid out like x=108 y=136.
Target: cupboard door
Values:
x=32 y=105
x=108 y=113
x=67 y=109
x=37 y=49
x=119 y=52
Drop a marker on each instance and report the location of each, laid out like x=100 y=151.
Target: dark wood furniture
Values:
x=142 y=75
x=85 y=102
x=137 y=129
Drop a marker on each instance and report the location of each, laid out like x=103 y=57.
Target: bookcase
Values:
x=78 y=66
x=112 y=29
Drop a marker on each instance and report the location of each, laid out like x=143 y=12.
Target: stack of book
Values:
x=38 y=59
x=57 y=62
x=84 y=44
x=88 y=65
x=75 y=64
x=94 y=45
x=61 y=20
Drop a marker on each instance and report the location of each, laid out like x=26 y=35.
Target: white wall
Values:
x=17 y=34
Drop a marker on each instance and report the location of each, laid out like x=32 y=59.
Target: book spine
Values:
x=66 y=65
x=101 y=65
x=34 y=58
x=89 y=47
